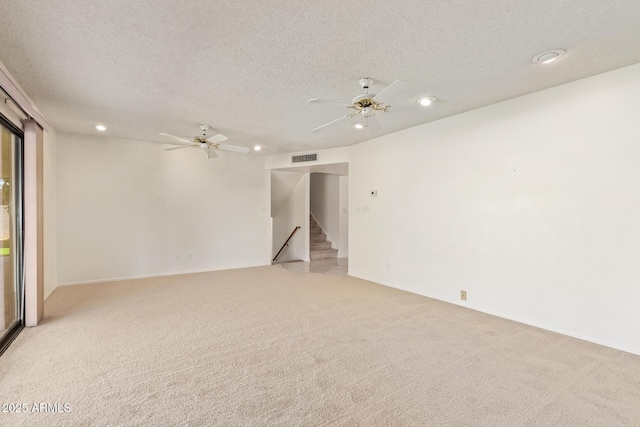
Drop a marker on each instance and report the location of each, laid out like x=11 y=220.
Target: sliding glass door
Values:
x=11 y=289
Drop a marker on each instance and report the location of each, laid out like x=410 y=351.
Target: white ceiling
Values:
x=247 y=68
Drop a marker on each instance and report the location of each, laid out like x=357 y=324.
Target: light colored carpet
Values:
x=268 y=346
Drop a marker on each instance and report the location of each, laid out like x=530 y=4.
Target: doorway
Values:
x=291 y=207
x=329 y=210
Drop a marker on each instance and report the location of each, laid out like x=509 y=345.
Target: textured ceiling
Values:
x=247 y=68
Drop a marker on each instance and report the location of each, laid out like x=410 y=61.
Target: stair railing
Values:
x=286 y=243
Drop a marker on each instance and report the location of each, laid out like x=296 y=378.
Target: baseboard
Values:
x=46 y=297
x=560 y=331
x=149 y=276
x=635 y=351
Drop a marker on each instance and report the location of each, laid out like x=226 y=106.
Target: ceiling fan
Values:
x=205 y=142
x=367 y=104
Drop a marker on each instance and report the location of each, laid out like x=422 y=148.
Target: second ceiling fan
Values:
x=205 y=142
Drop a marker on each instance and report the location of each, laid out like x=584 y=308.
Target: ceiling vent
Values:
x=305 y=158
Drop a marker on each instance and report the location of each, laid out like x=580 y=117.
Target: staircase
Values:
x=319 y=247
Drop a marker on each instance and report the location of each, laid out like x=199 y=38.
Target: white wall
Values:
x=282 y=185
x=532 y=206
x=325 y=157
x=129 y=209
x=294 y=211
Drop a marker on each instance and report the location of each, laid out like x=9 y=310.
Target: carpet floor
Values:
x=267 y=346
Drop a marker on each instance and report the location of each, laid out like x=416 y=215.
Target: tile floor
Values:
x=337 y=266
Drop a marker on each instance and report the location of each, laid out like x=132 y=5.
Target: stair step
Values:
x=323 y=254
x=319 y=245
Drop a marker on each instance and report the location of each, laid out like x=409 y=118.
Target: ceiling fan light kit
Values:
x=367 y=104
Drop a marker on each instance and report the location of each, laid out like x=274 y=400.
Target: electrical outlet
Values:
x=189 y=256
x=177 y=257
x=463 y=295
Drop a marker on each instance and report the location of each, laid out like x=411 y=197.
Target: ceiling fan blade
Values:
x=328 y=101
x=373 y=123
x=336 y=120
x=233 y=148
x=389 y=92
x=177 y=138
x=182 y=146
x=217 y=138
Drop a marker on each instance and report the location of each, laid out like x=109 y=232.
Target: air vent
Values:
x=305 y=158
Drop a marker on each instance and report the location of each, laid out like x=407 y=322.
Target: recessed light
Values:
x=101 y=128
x=425 y=101
x=359 y=125
x=257 y=148
x=548 y=56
